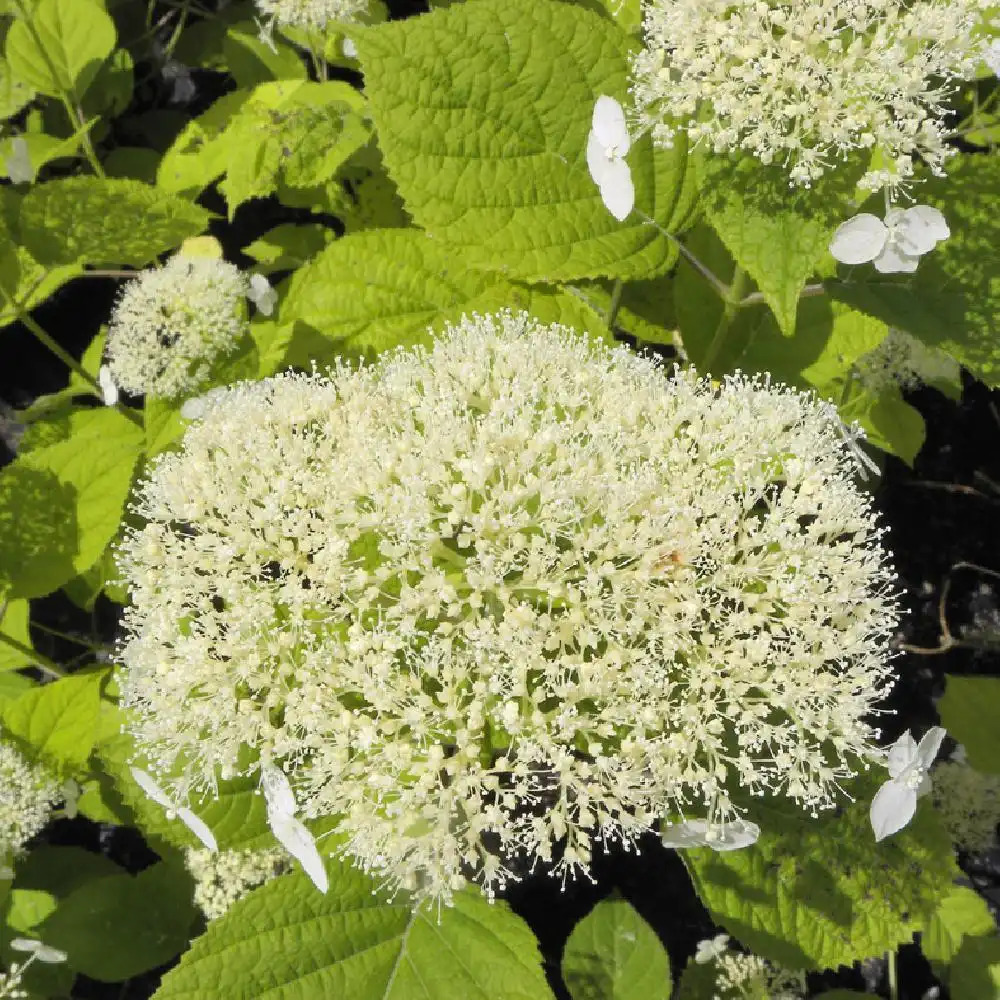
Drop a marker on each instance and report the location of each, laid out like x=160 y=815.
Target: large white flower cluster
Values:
x=803 y=83
x=506 y=595
x=27 y=794
x=170 y=323
x=312 y=14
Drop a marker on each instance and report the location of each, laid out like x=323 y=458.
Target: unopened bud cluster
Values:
x=805 y=83
x=506 y=595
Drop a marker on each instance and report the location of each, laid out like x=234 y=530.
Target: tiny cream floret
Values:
x=504 y=596
x=805 y=84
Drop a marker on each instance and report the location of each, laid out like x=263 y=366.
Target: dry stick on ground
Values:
x=948 y=641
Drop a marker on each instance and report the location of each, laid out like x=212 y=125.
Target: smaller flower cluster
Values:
x=224 y=877
x=804 y=84
x=27 y=794
x=969 y=804
x=902 y=360
x=312 y=14
x=747 y=977
x=170 y=323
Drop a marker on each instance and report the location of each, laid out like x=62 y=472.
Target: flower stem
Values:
x=66 y=358
x=36 y=658
x=733 y=302
x=613 y=305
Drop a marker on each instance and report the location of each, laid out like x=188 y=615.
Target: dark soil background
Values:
x=941 y=513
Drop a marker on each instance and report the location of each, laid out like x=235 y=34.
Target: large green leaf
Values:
x=14 y=616
x=61 y=504
x=952 y=301
x=975 y=972
x=818 y=893
x=98 y=220
x=119 y=926
x=282 y=133
x=370 y=291
x=14 y=93
x=968 y=712
x=483 y=111
x=287 y=941
x=777 y=234
x=613 y=954
x=24 y=283
x=58 y=720
x=291 y=132
x=962 y=913
x=60 y=47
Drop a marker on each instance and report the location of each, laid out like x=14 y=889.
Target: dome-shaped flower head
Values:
x=506 y=595
x=803 y=83
x=170 y=323
x=27 y=794
x=312 y=14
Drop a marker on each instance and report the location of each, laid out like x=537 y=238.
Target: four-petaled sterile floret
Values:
x=505 y=595
x=805 y=85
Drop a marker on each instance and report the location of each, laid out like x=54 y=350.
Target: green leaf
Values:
x=818 y=893
x=252 y=61
x=163 y=424
x=968 y=712
x=58 y=720
x=489 y=154
x=890 y=423
x=59 y=49
x=199 y=154
x=61 y=870
x=14 y=93
x=98 y=220
x=28 y=908
x=953 y=299
x=963 y=912
x=14 y=616
x=292 y=132
x=288 y=246
x=286 y=940
x=24 y=282
x=776 y=234
x=117 y=927
x=374 y=290
x=613 y=954
x=976 y=969
x=60 y=505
